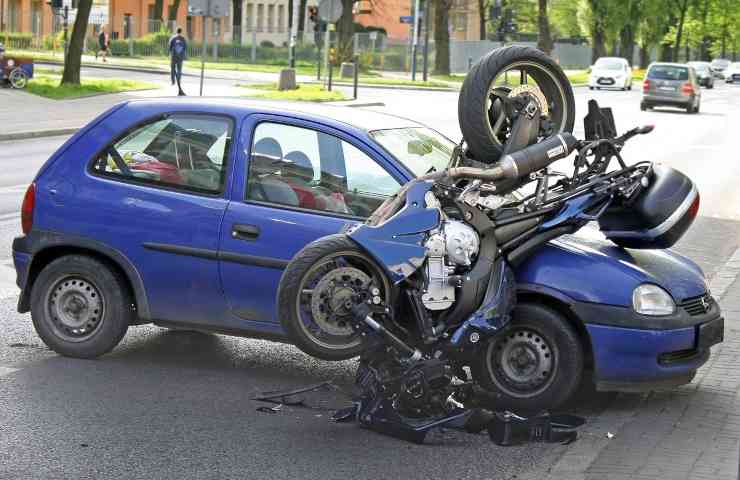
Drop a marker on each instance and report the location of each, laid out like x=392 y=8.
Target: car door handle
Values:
x=245 y=232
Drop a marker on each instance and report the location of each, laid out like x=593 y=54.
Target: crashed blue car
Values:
x=185 y=214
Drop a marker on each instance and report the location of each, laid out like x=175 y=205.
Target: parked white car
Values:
x=732 y=73
x=610 y=72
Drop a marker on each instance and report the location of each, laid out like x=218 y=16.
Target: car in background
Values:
x=732 y=73
x=671 y=85
x=703 y=73
x=610 y=72
x=718 y=66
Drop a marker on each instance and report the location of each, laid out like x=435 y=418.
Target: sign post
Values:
x=206 y=9
x=415 y=40
x=204 y=49
x=329 y=11
x=293 y=33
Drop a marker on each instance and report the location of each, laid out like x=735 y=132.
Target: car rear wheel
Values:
x=537 y=363
x=644 y=106
x=80 y=306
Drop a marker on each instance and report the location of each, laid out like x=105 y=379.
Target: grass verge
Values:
x=305 y=92
x=48 y=86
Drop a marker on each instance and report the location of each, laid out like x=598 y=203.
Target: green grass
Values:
x=577 y=77
x=305 y=92
x=48 y=86
x=394 y=82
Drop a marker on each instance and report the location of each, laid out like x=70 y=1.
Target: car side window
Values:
x=305 y=168
x=182 y=151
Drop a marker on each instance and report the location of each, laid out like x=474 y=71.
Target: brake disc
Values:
x=533 y=92
x=333 y=298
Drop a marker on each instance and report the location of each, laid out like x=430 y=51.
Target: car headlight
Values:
x=649 y=299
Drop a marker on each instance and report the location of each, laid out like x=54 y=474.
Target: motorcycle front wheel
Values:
x=486 y=121
x=317 y=292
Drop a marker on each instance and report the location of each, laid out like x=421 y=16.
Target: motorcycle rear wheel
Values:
x=333 y=267
x=480 y=109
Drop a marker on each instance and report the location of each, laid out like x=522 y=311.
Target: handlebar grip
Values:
x=538 y=156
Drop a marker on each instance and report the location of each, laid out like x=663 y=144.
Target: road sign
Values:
x=330 y=10
x=406 y=19
x=199 y=8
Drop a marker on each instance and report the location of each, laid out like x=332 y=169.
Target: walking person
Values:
x=178 y=52
x=103 y=44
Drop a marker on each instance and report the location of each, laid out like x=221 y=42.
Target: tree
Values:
x=71 y=74
x=680 y=7
x=482 y=6
x=345 y=30
x=597 y=26
x=544 y=39
x=158 y=11
x=172 y=15
x=442 y=36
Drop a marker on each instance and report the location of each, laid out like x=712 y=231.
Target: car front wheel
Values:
x=80 y=306
x=537 y=363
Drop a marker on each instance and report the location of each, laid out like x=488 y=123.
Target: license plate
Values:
x=606 y=81
x=711 y=333
x=668 y=89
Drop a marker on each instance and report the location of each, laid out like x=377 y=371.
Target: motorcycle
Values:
x=424 y=290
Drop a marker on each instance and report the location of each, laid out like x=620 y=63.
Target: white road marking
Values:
x=8 y=288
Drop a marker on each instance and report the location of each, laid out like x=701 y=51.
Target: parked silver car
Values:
x=671 y=84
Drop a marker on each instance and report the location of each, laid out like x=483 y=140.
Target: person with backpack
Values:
x=178 y=51
x=103 y=44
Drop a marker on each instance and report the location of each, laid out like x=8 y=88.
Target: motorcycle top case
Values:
x=658 y=217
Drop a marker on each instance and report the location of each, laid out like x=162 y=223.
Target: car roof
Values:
x=612 y=58
x=669 y=64
x=358 y=118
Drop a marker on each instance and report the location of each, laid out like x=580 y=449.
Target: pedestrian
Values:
x=178 y=52
x=103 y=44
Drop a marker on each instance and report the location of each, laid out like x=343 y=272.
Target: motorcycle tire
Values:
x=537 y=364
x=294 y=312
x=473 y=102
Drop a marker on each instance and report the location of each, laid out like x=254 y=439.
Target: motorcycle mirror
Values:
x=644 y=129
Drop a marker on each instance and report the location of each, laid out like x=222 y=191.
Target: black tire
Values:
x=473 y=100
x=643 y=106
x=292 y=284
x=590 y=88
x=629 y=87
x=537 y=329
x=100 y=296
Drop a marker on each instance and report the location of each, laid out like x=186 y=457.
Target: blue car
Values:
x=184 y=214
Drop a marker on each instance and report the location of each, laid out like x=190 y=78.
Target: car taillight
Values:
x=687 y=88
x=29 y=201
x=645 y=85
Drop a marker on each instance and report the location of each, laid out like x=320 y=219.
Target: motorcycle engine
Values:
x=449 y=250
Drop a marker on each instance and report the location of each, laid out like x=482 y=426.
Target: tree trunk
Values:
x=705 y=40
x=301 y=19
x=683 y=5
x=345 y=30
x=158 y=11
x=172 y=17
x=644 y=55
x=598 y=47
x=544 y=40
x=71 y=74
x=482 y=18
x=442 y=36
x=627 y=43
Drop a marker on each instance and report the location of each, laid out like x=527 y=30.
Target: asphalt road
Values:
x=169 y=404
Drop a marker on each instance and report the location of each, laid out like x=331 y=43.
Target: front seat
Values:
x=265 y=183
x=299 y=174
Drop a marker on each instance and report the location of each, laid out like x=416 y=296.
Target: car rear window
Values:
x=668 y=72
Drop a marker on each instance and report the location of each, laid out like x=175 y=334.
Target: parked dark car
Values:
x=671 y=85
x=185 y=214
x=703 y=73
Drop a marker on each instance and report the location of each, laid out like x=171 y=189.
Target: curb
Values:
x=52 y=132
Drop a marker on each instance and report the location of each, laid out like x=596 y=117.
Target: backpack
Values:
x=178 y=48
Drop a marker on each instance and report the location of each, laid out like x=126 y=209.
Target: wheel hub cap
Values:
x=76 y=307
x=522 y=361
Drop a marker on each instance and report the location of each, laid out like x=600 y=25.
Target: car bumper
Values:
x=606 y=82
x=667 y=100
x=22 y=262
x=633 y=352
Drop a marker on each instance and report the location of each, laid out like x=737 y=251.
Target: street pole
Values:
x=293 y=32
x=205 y=47
x=427 y=4
x=415 y=40
x=327 y=42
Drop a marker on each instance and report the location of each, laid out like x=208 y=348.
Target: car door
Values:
x=301 y=181
x=159 y=198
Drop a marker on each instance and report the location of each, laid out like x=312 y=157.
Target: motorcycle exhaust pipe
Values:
x=412 y=354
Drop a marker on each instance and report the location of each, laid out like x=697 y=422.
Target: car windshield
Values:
x=420 y=149
x=608 y=64
x=668 y=72
x=720 y=63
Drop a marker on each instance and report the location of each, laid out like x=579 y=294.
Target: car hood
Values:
x=607 y=73
x=587 y=267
